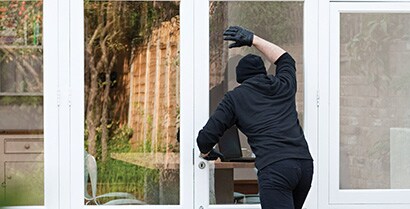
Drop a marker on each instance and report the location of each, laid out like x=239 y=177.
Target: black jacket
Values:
x=263 y=108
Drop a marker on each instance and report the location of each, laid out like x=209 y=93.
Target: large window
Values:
x=374 y=90
x=279 y=22
x=132 y=102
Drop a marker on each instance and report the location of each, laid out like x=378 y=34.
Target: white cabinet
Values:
x=22 y=169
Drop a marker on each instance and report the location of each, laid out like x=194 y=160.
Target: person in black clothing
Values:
x=263 y=108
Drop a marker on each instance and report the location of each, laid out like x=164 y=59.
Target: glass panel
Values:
x=374 y=101
x=132 y=102
x=279 y=22
x=21 y=103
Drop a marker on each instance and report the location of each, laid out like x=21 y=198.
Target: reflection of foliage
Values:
x=21 y=22
x=279 y=22
x=21 y=70
x=24 y=187
x=113 y=31
x=116 y=176
x=369 y=41
x=20 y=100
x=111 y=37
x=120 y=139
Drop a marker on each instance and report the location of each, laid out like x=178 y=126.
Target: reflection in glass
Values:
x=374 y=101
x=21 y=103
x=131 y=102
x=279 y=22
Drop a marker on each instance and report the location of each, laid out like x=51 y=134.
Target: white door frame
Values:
x=201 y=98
x=76 y=103
x=51 y=110
x=330 y=196
x=201 y=56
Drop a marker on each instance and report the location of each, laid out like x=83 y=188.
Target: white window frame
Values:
x=364 y=198
x=201 y=55
x=76 y=103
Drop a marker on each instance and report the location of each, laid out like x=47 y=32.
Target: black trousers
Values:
x=285 y=184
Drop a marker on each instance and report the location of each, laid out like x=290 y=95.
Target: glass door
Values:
x=131 y=113
x=234 y=185
x=28 y=105
x=369 y=115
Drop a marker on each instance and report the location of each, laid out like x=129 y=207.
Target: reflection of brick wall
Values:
x=154 y=101
x=371 y=103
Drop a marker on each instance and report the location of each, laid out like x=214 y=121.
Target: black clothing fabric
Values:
x=285 y=184
x=263 y=108
x=248 y=67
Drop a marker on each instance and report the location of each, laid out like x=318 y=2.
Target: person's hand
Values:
x=212 y=155
x=240 y=35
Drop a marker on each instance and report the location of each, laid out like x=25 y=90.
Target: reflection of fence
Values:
x=154 y=100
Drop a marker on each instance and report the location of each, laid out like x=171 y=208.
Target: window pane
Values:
x=279 y=22
x=374 y=101
x=21 y=103
x=132 y=102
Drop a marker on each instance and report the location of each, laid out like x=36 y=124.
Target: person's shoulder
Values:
x=237 y=89
x=231 y=94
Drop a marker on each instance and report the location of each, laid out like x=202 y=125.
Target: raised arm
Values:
x=270 y=50
x=285 y=64
x=245 y=37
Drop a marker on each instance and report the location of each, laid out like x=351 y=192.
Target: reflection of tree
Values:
x=20 y=56
x=113 y=30
x=374 y=94
x=217 y=52
x=280 y=22
x=24 y=66
x=369 y=39
x=21 y=22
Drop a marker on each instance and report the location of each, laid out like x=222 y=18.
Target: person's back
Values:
x=263 y=107
x=265 y=110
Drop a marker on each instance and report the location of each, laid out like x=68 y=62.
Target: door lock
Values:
x=202 y=165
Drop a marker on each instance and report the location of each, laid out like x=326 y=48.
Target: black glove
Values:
x=240 y=35
x=213 y=155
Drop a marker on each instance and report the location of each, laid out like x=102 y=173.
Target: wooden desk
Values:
x=164 y=162
x=224 y=180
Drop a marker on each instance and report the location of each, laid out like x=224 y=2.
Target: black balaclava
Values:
x=249 y=66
